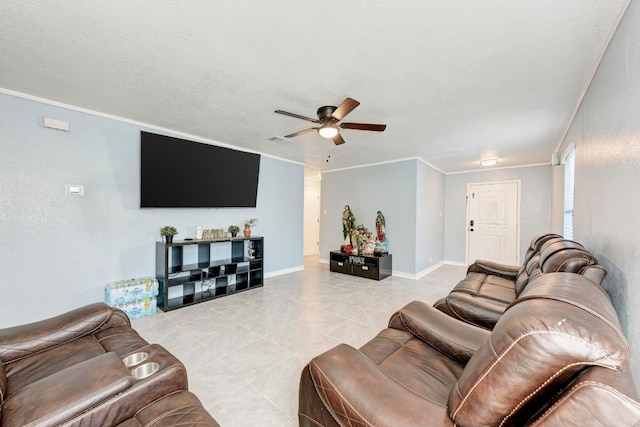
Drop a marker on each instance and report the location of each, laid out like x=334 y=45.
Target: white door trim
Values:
x=311 y=238
x=467 y=219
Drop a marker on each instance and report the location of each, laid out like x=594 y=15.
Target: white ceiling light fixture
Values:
x=488 y=162
x=328 y=130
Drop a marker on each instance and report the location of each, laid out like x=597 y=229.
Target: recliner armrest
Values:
x=357 y=392
x=24 y=340
x=494 y=268
x=62 y=396
x=456 y=339
x=595 y=273
x=482 y=312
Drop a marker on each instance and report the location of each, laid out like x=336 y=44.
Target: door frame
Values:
x=306 y=215
x=518 y=219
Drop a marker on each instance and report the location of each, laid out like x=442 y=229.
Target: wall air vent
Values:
x=279 y=139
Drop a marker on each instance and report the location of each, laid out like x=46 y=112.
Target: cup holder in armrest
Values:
x=135 y=358
x=144 y=371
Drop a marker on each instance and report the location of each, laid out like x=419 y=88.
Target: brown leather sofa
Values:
x=557 y=357
x=71 y=370
x=488 y=288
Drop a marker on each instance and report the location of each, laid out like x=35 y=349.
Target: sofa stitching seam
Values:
x=326 y=378
x=513 y=344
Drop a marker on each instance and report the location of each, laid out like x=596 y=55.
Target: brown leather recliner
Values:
x=488 y=288
x=556 y=357
x=69 y=370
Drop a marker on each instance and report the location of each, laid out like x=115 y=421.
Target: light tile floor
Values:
x=244 y=352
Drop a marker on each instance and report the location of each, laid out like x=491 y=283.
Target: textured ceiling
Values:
x=455 y=81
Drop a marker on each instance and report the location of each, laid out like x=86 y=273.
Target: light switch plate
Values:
x=74 y=190
x=56 y=124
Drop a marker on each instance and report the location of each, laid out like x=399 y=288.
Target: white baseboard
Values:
x=403 y=275
x=283 y=271
x=417 y=276
x=428 y=270
x=458 y=263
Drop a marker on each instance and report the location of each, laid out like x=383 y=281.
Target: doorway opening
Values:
x=311 y=240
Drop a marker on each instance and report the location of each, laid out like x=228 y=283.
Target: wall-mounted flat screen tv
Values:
x=176 y=173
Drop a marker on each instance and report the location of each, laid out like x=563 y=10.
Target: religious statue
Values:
x=380 y=224
x=348 y=224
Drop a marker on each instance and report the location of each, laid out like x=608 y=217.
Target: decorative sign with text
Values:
x=357 y=260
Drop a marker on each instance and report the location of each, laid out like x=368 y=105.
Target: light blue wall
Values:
x=430 y=217
x=535 y=205
x=606 y=132
x=57 y=252
x=390 y=188
x=411 y=196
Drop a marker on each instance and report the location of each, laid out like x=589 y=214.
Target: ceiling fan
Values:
x=328 y=118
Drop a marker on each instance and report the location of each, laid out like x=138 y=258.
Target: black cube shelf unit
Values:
x=194 y=271
x=371 y=267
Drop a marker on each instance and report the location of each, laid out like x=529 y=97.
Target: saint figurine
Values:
x=348 y=224
x=380 y=228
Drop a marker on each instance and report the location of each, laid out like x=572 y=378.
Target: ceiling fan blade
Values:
x=363 y=126
x=300 y=132
x=347 y=106
x=297 y=116
x=338 y=139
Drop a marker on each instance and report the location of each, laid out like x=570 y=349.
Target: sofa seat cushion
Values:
x=122 y=340
x=487 y=286
x=414 y=364
x=343 y=387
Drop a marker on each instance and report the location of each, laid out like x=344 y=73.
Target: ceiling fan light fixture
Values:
x=328 y=131
x=488 y=162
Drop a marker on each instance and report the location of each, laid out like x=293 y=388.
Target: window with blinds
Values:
x=569 y=178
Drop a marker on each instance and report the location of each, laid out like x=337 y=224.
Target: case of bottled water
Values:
x=136 y=297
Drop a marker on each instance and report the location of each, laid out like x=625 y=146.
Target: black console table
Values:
x=371 y=267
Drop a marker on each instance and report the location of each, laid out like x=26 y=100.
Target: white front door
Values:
x=493 y=222
x=311 y=221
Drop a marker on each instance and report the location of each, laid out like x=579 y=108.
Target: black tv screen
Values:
x=176 y=173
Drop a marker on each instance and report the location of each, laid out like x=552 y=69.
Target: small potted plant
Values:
x=233 y=229
x=168 y=231
x=248 y=224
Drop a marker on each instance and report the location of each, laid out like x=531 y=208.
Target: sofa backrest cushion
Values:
x=527 y=273
x=536 y=245
x=45 y=334
x=532 y=259
x=565 y=256
x=561 y=324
